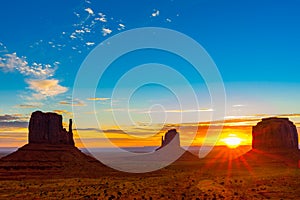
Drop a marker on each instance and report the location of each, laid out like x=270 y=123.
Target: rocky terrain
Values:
x=52 y=169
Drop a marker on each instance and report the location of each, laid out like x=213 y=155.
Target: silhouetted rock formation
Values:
x=46 y=128
x=272 y=134
x=274 y=143
x=170 y=145
x=171 y=138
x=50 y=152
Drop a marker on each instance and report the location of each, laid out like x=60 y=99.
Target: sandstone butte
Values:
x=274 y=142
x=275 y=134
x=50 y=152
x=171 y=143
x=46 y=128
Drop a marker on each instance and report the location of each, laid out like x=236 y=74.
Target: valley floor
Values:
x=186 y=181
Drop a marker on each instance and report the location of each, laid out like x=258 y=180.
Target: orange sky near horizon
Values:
x=18 y=137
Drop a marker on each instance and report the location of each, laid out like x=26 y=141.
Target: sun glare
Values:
x=232 y=141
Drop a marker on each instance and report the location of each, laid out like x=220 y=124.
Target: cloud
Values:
x=16 y=124
x=145 y=111
x=89 y=10
x=106 y=31
x=114 y=132
x=72 y=36
x=238 y=106
x=98 y=99
x=12 y=62
x=62 y=112
x=72 y=102
x=3 y=48
x=33 y=105
x=13 y=120
x=168 y=20
x=247 y=120
x=182 y=111
x=90 y=43
x=38 y=74
x=122 y=110
x=9 y=62
x=46 y=88
x=88 y=129
x=102 y=18
x=121 y=27
x=155 y=13
x=289 y=115
x=6 y=118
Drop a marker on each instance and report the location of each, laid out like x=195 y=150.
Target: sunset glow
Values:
x=232 y=141
x=134 y=103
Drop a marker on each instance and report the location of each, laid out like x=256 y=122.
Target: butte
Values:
x=50 y=152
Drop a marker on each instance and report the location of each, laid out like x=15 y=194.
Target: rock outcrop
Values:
x=50 y=153
x=46 y=128
x=171 y=138
x=274 y=143
x=273 y=134
x=170 y=146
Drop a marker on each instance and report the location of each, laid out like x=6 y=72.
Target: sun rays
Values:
x=232 y=141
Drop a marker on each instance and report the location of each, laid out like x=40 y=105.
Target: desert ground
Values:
x=214 y=177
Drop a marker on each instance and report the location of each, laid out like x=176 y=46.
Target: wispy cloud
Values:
x=32 y=105
x=113 y=133
x=12 y=125
x=62 y=112
x=98 y=99
x=106 y=31
x=12 y=62
x=89 y=10
x=159 y=111
x=46 y=88
x=122 y=110
x=72 y=102
x=97 y=130
x=182 y=111
x=13 y=121
x=3 y=48
x=121 y=27
x=102 y=17
x=39 y=75
x=289 y=115
x=90 y=43
x=168 y=20
x=238 y=106
x=155 y=13
x=11 y=117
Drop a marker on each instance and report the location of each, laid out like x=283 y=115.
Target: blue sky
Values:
x=255 y=45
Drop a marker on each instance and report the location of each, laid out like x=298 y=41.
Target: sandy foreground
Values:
x=208 y=179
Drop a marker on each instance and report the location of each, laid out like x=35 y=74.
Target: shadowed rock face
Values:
x=272 y=134
x=46 y=128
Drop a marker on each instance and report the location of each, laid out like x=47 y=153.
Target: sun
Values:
x=232 y=141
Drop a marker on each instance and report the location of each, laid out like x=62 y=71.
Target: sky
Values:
x=43 y=44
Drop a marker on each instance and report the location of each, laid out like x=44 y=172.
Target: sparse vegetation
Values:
x=189 y=183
